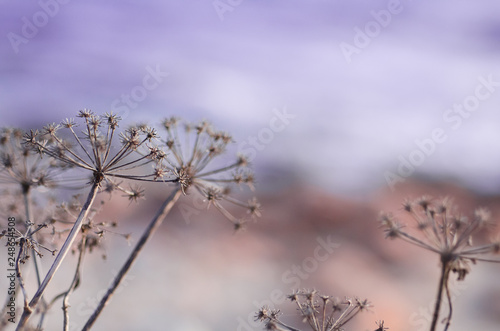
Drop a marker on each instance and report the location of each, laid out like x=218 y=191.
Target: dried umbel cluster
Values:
x=21 y=172
x=319 y=312
x=20 y=166
x=439 y=228
x=189 y=164
x=444 y=231
x=193 y=151
x=185 y=156
x=34 y=231
x=183 y=162
x=93 y=149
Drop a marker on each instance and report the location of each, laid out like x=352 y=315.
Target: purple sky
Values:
x=354 y=120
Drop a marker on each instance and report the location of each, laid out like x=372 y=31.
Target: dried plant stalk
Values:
x=443 y=231
x=28 y=310
x=150 y=230
x=74 y=283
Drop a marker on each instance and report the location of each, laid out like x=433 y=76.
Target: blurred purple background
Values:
x=351 y=119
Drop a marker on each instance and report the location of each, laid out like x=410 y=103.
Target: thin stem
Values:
x=478 y=250
x=92 y=140
x=152 y=227
x=117 y=156
x=123 y=153
x=304 y=310
x=409 y=238
x=195 y=148
x=285 y=326
x=234 y=165
x=350 y=315
x=141 y=178
x=83 y=147
x=324 y=315
x=36 y=258
x=450 y=307
x=122 y=166
x=59 y=258
x=61 y=143
x=22 y=245
x=26 y=196
x=74 y=284
x=442 y=284
x=18 y=272
x=339 y=320
x=108 y=143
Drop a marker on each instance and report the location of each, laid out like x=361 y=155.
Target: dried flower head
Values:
x=190 y=165
x=93 y=148
x=191 y=162
x=441 y=230
x=20 y=165
x=320 y=312
x=381 y=327
x=27 y=242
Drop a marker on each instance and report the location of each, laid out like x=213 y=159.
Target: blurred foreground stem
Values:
x=445 y=273
x=28 y=310
x=152 y=227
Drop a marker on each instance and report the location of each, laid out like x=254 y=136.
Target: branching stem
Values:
x=445 y=273
x=152 y=227
x=28 y=310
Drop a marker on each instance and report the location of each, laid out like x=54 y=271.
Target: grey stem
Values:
x=153 y=225
x=74 y=283
x=59 y=258
x=442 y=284
x=36 y=259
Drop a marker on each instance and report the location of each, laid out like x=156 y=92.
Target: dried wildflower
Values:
x=320 y=312
x=24 y=172
x=93 y=149
x=28 y=243
x=28 y=246
x=20 y=165
x=191 y=163
x=381 y=327
x=134 y=193
x=266 y=313
x=446 y=233
x=392 y=227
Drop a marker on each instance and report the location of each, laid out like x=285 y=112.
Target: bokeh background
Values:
x=356 y=97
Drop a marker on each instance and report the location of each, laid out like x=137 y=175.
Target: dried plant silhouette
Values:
x=92 y=152
x=192 y=152
x=22 y=171
x=183 y=163
x=442 y=230
x=319 y=312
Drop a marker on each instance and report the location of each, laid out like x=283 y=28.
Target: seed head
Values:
x=443 y=231
x=195 y=150
x=319 y=312
x=93 y=149
x=20 y=165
